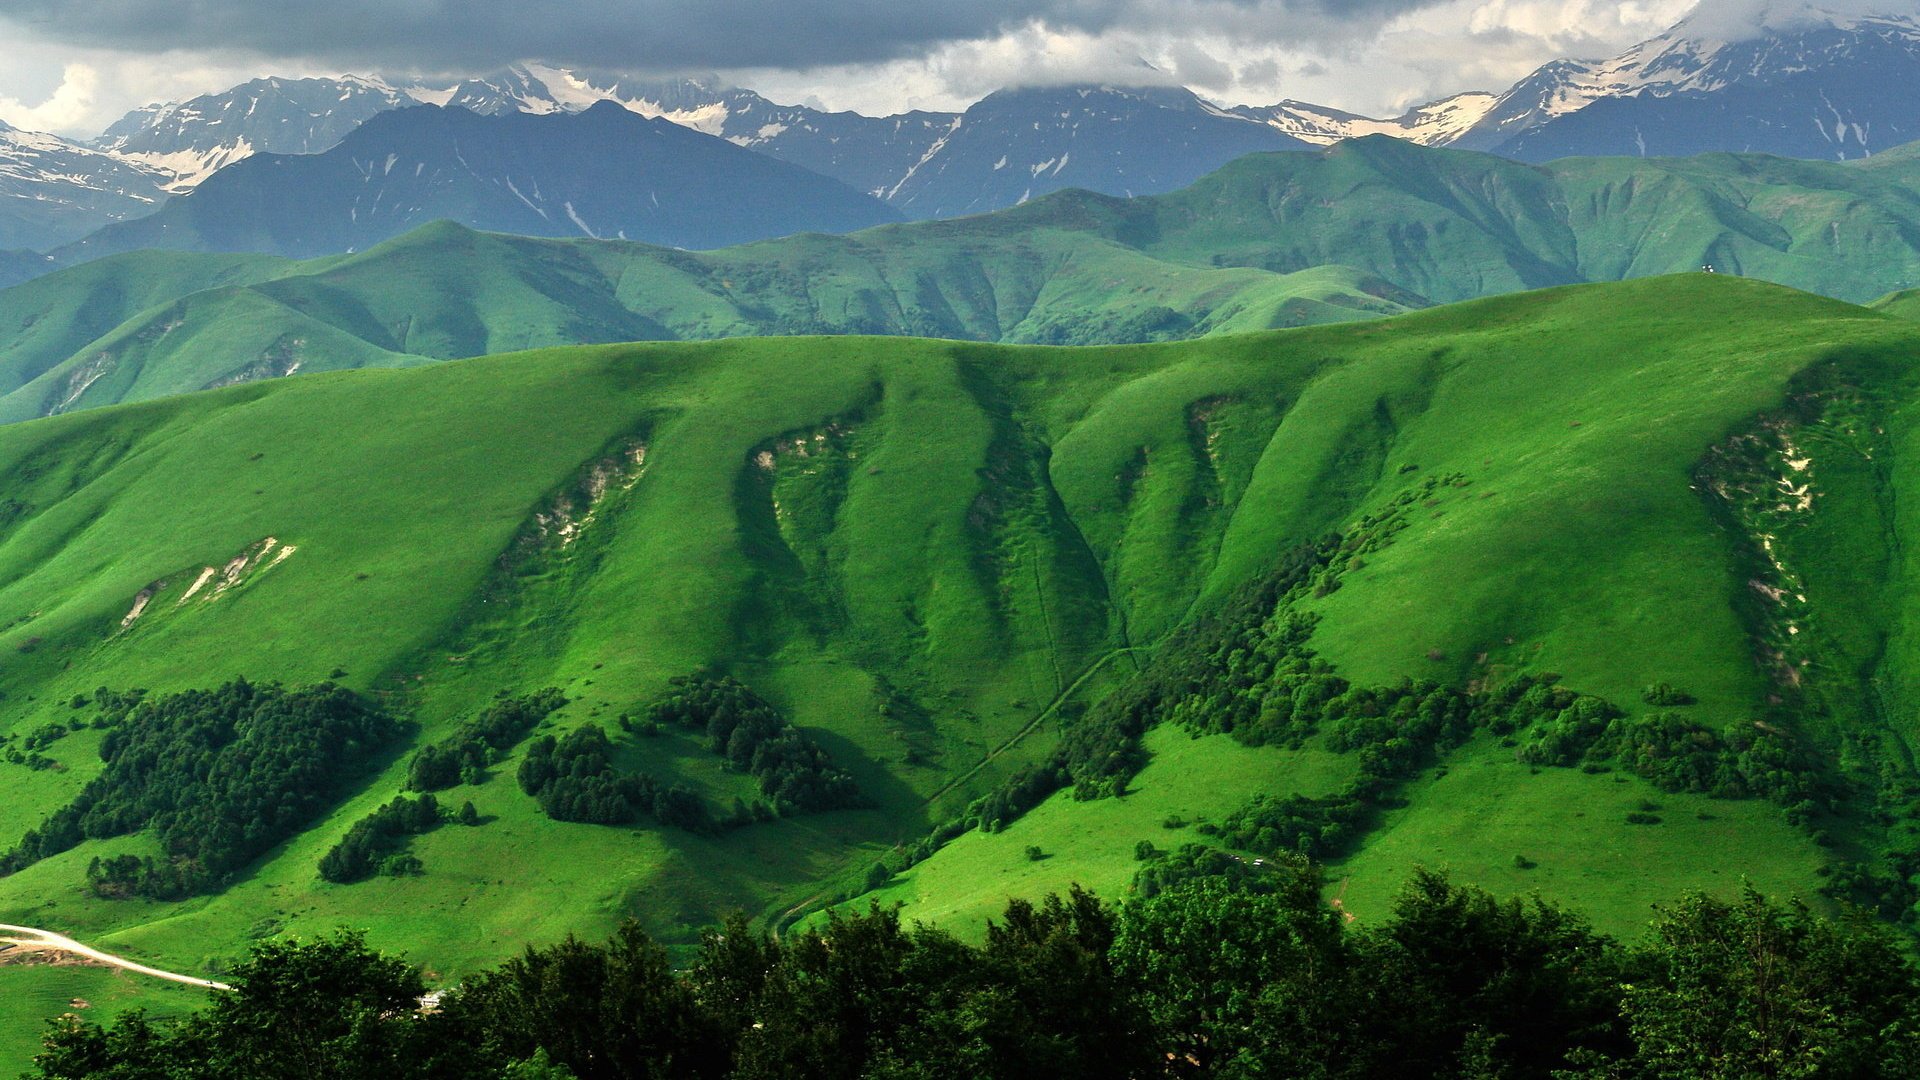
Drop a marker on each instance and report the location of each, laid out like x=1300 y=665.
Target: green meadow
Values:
x=935 y=557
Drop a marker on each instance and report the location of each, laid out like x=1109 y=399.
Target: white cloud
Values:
x=1736 y=20
x=1257 y=51
x=70 y=105
x=1454 y=46
x=78 y=92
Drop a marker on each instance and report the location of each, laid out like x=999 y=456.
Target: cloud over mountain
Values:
x=659 y=34
x=1744 y=20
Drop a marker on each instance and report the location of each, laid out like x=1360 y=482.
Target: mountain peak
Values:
x=606 y=107
x=1782 y=77
x=1777 y=18
x=604 y=173
x=1748 y=50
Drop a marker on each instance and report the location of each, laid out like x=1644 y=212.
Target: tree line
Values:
x=575 y=778
x=1207 y=974
x=377 y=843
x=1245 y=668
x=481 y=742
x=795 y=774
x=219 y=775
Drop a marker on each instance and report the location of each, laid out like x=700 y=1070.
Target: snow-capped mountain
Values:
x=1796 y=81
x=604 y=173
x=870 y=153
x=1017 y=144
x=1437 y=123
x=1805 y=83
x=189 y=140
x=1008 y=147
x=927 y=164
x=53 y=191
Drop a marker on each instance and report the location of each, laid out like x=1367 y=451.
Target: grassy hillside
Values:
x=133 y=327
x=1906 y=304
x=1368 y=228
x=937 y=558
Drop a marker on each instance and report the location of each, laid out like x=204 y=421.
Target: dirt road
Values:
x=26 y=937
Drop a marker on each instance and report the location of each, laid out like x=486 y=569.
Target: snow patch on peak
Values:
x=1436 y=123
x=1734 y=21
x=1716 y=46
x=187 y=169
x=710 y=119
x=426 y=95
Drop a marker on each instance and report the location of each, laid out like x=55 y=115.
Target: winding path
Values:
x=28 y=938
x=792 y=914
x=1033 y=725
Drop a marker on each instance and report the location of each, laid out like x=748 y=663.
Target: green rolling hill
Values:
x=147 y=324
x=948 y=565
x=1906 y=304
x=1368 y=228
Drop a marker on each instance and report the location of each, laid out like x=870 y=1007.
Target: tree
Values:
x=221 y=776
x=326 y=1008
x=616 y=1012
x=1244 y=982
x=133 y=1049
x=1069 y=1014
x=1750 y=988
x=838 y=995
x=1517 y=984
x=537 y=1067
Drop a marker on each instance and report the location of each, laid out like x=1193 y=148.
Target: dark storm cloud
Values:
x=469 y=34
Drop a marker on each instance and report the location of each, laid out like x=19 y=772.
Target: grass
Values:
x=1092 y=844
x=38 y=992
x=1485 y=810
x=931 y=555
x=139 y=326
x=1269 y=241
x=1904 y=304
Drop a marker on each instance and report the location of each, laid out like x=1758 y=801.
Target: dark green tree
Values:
x=1518 y=984
x=1755 y=989
x=1245 y=982
x=616 y=1012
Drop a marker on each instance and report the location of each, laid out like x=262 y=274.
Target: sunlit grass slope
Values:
x=931 y=555
x=1906 y=304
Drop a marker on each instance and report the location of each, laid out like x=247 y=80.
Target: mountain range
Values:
x=53 y=192
x=1828 y=87
x=733 y=506
x=1270 y=241
x=605 y=172
x=1837 y=88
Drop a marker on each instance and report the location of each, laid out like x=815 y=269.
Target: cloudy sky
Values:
x=72 y=66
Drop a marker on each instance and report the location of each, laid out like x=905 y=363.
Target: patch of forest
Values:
x=1219 y=969
x=220 y=776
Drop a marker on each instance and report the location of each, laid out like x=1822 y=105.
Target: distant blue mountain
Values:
x=1015 y=145
x=605 y=172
